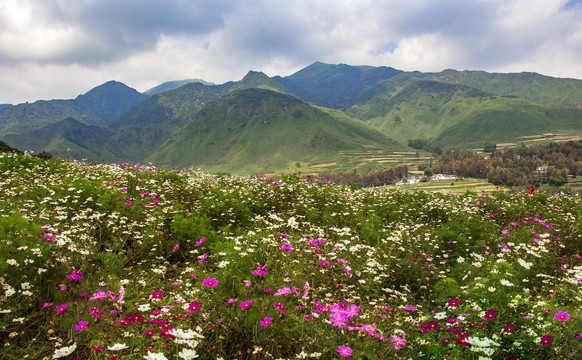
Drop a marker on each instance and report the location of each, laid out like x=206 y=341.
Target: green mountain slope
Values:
x=259 y=129
x=99 y=106
x=144 y=128
x=148 y=125
x=22 y=118
x=544 y=90
x=69 y=138
x=509 y=120
x=334 y=86
x=455 y=115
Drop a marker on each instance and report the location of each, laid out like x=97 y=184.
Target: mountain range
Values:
x=323 y=114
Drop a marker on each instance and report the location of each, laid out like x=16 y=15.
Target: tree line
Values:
x=550 y=163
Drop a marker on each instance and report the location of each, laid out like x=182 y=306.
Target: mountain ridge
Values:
x=451 y=108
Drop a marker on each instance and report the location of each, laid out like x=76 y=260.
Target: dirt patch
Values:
x=322 y=165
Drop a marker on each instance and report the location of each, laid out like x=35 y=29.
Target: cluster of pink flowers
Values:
x=261 y=271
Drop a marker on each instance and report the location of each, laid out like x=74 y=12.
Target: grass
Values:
x=130 y=262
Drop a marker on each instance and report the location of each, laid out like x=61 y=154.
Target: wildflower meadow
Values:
x=121 y=261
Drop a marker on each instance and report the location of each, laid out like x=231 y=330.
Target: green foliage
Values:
x=408 y=264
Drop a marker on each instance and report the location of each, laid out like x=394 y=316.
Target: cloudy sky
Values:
x=57 y=49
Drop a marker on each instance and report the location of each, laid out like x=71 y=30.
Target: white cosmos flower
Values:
x=187 y=354
x=155 y=356
x=64 y=351
x=506 y=283
x=117 y=347
x=440 y=315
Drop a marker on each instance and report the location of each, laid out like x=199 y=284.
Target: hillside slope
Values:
x=258 y=129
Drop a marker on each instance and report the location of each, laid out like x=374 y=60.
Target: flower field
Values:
x=129 y=262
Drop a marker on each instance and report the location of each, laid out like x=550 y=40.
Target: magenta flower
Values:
x=75 y=275
x=157 y=295
x=344 y=350
x=81 y=326
x=509 y=329
x=176 y=248
x=562 y=315
x=99 y=295
x=324 y=263
x=352 y=311
x=338 y=319
x=203 y=258
x=490 y=315
x=410 y=308
x=194 y=307
x=280 y=307
x=61 y=308
x=267 y=321
x=95 y=311
x=199 y=242
x=453 y=303
x=546 y=340
x=287 y=247
x=398 y=342
x=261 y=271
x=245 y=304
x=210 y=282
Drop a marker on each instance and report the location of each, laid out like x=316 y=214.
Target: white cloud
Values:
x=61 y=48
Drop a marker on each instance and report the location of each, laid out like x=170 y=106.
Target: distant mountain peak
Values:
x=111 y=100
x=171 y=85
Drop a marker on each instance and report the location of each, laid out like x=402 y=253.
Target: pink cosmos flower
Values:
x=344 y=350
x=199 y=242
x=267 y=321
x=99 y=295
x=194 y=307
x=453 y=303
x=203 y=258
x=398 y=342
x=261 y=271
x=157 y=295
x=280 y=307
x=75 y=275
x=210 y=282
x=562 y=315
x=176 y=248
x=245 y=304
x=338 y=319
x=287 y=247
x=95 y=311
x=81 y=326
x=61 y=308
